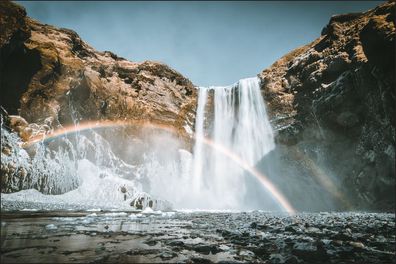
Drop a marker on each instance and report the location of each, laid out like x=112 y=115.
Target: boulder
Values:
x=142 y=200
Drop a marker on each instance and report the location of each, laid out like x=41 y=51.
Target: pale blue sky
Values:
x=211 y=43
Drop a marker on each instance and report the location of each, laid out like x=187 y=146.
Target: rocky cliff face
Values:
x=50 y=78
x=47 y=73
x=333 y=104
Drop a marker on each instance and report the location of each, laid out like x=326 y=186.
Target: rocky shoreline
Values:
x=198 y=237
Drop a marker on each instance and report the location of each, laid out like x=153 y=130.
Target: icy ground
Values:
x=196 y=237
x=79 y=199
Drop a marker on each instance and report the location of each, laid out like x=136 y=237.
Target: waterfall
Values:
x=241 y=125
x=82 y=168
x=199 y=132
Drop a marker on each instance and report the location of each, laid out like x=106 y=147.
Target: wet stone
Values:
x=176 y=243
x=213 y=237
x=200 y=260
x=206 y=249
x=357 y=244
x=304 y=250
x=167 y=255
x=151 y=242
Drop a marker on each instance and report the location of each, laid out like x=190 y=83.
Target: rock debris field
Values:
x=196 y=237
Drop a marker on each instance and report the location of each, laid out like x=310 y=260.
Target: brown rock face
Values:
x=333 y=100
x=49 y=75
x=50 y=78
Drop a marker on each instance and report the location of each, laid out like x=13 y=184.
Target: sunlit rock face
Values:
x=51 y=79
x=47 y=73
x=332 y=103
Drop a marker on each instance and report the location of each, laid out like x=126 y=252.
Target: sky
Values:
x=209 y=42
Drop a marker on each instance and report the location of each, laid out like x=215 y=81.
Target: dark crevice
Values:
x=17 y=71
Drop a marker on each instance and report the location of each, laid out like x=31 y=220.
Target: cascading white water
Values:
x=241 y=125
x=85 y=167
x=199 y=132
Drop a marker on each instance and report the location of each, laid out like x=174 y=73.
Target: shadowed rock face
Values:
x=17 y=63
x=332 y=102
x=51 y=74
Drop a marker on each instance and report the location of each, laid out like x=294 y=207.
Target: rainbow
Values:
x=321 y=177
x=279 y=197
x=95 y=125
x=275 y=193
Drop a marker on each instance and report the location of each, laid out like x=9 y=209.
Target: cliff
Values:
x=50 y=78
x=48 y=72
x=333 y=103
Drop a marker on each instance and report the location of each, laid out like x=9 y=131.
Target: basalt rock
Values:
x=333 y=101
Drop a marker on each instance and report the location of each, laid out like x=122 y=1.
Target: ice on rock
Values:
x=94 y=210
x=168 y=214
x=92 y=215
x=134 y=215
x=86 y=221
x=147 y=210
x=51 y=227
x=116 y=214
x=82 y=181
x=80 y=168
